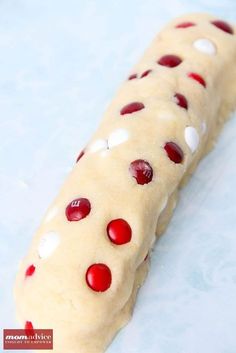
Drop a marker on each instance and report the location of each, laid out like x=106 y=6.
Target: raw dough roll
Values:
x=90 y=253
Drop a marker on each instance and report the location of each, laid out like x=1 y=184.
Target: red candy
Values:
x=29 y=329
x=170 y=60
x=181 y=100
x=141 y=171
x=223 y=26
x=174 y=152
x=80 y=156
x=132 y=108
x=98 y=277
x=78 y=209
x=30 y=271
x=132 y=77
x=119 y=231
x=145 y=73
x=185 y=25
x=197 y=78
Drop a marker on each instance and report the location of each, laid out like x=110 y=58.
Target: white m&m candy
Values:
x=117 y=137
x=48 y=243
x=98 y=145
x=191 y=138
x=205 y=46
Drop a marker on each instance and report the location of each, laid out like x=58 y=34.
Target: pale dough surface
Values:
x=57 y=296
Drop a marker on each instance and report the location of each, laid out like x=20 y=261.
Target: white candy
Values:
x=191 y=138
x=47 y=244
x=117 y=137
x=98 y=145
x=205 y=46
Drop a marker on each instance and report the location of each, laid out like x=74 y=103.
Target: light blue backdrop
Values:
x=60 y=64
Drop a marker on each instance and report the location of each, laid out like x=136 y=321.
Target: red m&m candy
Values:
x=119 y=231
x=145 y=73
x=224 y=26
x=142 y=171
x=98 y=277
x=170 y=60
x=78 y=209
x=132 y=108
x=197 y=78
x=80 y=156
x=181 y=100
x=174 y=152
x=185 y=25
x=132 y=76
x=30 y=271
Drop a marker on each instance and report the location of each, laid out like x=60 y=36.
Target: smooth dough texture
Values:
x=164 y=118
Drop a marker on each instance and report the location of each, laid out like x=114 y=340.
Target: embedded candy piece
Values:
x=185 y=25
x=30 y=271
x=191 y=138
x=141 y=171
x=181 y=100
x=80 y=156
x=132 y=77
x=132 y=108
x=146 y=73
x=98 y=277
x=119 y=231
x=223 y=26
x=47 y=245
x=197 y=78
x=170 y=60
x=98 y=145
x=117 y=137
x=174 y=152
x=204 y=45
x=78 y=209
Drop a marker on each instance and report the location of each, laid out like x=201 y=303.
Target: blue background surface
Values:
x=60 y=64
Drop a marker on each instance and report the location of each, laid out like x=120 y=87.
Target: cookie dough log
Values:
x=90 y=253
